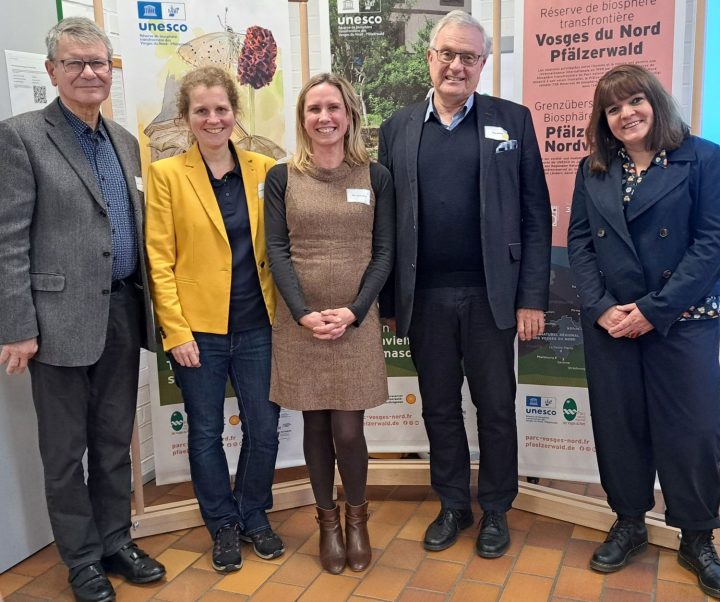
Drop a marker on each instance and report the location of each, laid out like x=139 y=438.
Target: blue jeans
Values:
x=244 y=357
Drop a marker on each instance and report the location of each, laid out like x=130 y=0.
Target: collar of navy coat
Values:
x=605 y=191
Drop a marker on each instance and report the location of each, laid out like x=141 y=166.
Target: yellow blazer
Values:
x=188 y=251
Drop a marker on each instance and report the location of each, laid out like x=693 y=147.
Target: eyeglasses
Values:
x=448 y=56
x=76 y=66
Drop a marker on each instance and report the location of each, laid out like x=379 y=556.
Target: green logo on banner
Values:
x=570 y=409
x=176 y=421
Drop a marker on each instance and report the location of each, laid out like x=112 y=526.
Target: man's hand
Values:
x=187 y=354
x=530 y=323
x=17 y=355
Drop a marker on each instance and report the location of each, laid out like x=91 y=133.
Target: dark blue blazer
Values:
x=514 y=210
x=664 y=254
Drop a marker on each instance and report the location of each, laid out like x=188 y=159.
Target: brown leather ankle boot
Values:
x=332 y=547
x=358 y=549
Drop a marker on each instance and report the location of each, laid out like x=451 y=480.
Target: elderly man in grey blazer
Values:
x=472 y=269
x=74 y=305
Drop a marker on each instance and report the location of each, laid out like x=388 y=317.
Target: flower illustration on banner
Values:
x=256 y=65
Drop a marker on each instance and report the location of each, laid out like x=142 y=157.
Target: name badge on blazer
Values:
x=505 y=146
x=495 y=132
x=139 y=184
x=261 y=191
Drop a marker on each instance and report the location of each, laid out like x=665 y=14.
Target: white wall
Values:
x=24 y=523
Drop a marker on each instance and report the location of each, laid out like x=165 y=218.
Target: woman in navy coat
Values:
x=644 y=247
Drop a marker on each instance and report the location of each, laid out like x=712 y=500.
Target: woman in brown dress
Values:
x=329 y=217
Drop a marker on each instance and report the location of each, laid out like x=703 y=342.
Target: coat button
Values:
x=601 y=232
x=106 y=253
x=664 y=232
x=103 y=213
x=262 y=264
x=667 y=274
x=106 y=291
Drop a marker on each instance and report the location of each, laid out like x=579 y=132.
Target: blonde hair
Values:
x=355 y=151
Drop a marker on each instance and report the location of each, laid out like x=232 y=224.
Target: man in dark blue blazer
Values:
x=472 y=269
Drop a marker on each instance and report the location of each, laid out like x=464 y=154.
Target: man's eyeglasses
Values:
x=448 y=56
x=76 y=66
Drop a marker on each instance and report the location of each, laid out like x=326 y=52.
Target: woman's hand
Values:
x=611 y=317
x=187 y=354
x=329 y=324
x=633 y=325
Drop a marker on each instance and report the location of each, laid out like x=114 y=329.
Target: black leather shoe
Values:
x=89 y=584
x=133 y=564
x=625 y=539
x=697 y=553
x=444 y=530
x=494 y=538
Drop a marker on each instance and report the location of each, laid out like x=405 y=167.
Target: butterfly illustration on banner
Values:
x=218 y=49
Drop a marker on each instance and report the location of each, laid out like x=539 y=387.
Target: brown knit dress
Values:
x=330 y=249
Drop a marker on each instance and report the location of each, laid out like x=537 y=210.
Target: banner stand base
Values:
x=545 y=501
x=186 y=514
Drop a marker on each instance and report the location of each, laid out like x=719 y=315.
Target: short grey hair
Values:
x=78 y=29
x=462 y=19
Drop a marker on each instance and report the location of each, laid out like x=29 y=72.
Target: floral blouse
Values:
x=707 y=308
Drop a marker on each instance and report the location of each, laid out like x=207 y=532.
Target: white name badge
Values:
x=495 y=132
x=358 y=195
x=261 y=191
x=139 y=184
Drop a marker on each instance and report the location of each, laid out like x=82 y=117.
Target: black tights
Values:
x=331 y=434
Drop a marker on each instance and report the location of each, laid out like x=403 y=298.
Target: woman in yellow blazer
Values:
x=214 y=300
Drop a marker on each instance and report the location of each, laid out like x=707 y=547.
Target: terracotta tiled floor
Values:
x=548 y=560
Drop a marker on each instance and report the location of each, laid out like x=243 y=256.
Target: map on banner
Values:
x=556 y=357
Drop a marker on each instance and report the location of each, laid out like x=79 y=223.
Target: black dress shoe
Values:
x=697 y=553
x=626 y=538
x=494 y=538
x=444 y=530
x=133 y=564
x=89 y=584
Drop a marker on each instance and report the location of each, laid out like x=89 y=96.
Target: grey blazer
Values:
x=514 y=209
x=55 y=240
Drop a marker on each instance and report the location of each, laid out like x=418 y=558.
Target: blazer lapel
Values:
x=250 y=183
x=63 y=137
x=663 y=181
x=485 y=116
x=197 y=175
x=413 y=131
x=606 y=194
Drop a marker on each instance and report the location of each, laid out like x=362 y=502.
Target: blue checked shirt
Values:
x=99 y=151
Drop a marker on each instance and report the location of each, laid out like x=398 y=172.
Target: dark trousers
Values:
x=453 y=334
x=654 y=404
x=91 y=408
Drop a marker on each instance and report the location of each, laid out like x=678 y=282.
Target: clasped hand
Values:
x=328 y=324
x=625 y=321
